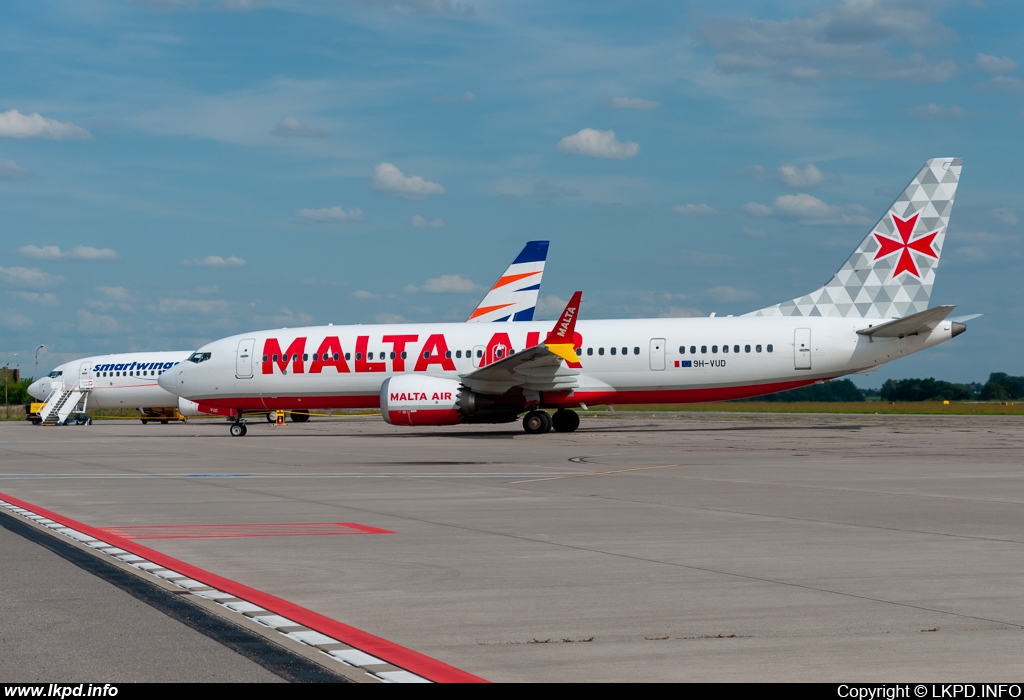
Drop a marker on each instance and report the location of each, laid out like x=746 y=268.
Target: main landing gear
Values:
x=540 y=422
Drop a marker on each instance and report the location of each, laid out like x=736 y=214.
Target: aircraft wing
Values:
x=922 y=322
x=540 y=368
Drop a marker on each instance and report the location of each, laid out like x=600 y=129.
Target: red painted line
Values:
x=221 y=531
x=397 y=655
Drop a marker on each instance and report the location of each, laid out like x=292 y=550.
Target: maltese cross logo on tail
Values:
x=923 y=245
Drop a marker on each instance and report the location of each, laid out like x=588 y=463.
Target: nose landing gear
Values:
x=238 y=429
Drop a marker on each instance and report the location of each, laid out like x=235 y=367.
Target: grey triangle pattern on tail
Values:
x=879 y=281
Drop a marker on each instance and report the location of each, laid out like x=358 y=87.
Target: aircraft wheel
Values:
x=565 y=421
x=81 y=420
x=537 y=422
x=300 y=416
x=145 y=422
x=271 y=418
x=238 y=429
x=163 y=422
x=184 y=419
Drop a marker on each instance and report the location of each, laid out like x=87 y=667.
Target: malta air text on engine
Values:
x=404 y=352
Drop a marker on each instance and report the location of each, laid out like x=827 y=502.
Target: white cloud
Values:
x=329 y=214
x=387 y=178
x=727 y=294
x=390 y=318
x=632 y=103
x=874 y=39
x=467 y=97
x=934 y=111
x=994 y=64
x=9 y=170
x=363 y=294
x=82 y=252
x=14 y=321
x=203 y=307
x=1006 y=215
x=115 y=293
x=214 y=261
x=598 y=144
x=445 y=283
x=550 y=305
x=681 y=312
x=695 y=210
x=28 y=277
x=802 y=206
x=91 y=324
x=754 y=233
x=1004 y=83
x=419 y=222
x=294 y=127
x=15 y=125
x=793 y=176
x=756 y=209
x=47 y=300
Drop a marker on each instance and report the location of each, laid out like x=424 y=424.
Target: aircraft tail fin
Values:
x=891 y=273
x=514 y=296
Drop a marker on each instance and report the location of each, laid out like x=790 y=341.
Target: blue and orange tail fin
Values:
x=514 y=296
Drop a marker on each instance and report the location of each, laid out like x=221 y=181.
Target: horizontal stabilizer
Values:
x=965 y=319
x=923 y=322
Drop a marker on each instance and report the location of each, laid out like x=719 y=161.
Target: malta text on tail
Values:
x=891 y=273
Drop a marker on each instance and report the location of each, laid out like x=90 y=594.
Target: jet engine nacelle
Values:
x=188 y=408
x=415 y=399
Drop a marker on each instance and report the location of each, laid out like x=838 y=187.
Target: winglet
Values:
x=560 y=340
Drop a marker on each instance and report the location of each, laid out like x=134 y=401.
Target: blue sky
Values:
x=174 y=171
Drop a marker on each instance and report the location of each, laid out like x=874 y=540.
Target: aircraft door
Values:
x=243 y=360
x=84 y=380
x=802 y=348
x=657 y=353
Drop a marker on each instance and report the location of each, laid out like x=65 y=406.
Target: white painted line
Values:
x=275 y=621
x=401 y=677
x=243 y=607
x=312 y=638
x=129 y=558
x=189 y=583
x=354 y=657
x=146 y=565
x=214 y=594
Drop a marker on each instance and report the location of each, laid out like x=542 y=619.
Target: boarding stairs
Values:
x=63 y=402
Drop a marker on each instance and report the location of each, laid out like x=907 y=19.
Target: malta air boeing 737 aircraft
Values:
x=874 y=310
x=129 y=380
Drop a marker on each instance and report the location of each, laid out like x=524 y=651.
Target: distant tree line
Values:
x=835 y=390
x=999 y=387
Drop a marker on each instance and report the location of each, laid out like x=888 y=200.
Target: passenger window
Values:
x=770 y=348
x=636 y=351
x=305 y=357
x=682 y=349
x=458 y=354
x=600 y=351
x=336 y=357
x=703 y=349
x=498 y=352
x=590 y=351
x=746 y=348
x=448 y=354
x=714 y=348
x=405 y=355
x=725 y=348
x=359 y=356
x=613 y=350
x=264 y=358
x=625 y=351
x=735 y=348
x=426 y=354
x=479 y=353
x=348 y=356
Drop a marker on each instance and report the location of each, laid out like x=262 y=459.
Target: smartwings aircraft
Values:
x=874 y=310
x=129 y=380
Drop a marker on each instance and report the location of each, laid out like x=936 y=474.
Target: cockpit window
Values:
x=55 y=374
x=198 y=357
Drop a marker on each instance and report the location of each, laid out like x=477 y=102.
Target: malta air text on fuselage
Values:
x=621 y=361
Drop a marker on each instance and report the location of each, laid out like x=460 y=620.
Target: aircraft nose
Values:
x=168 y=381
x=39 y=389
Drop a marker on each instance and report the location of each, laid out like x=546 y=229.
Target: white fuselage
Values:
x=622 y=361
x=126 y=380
